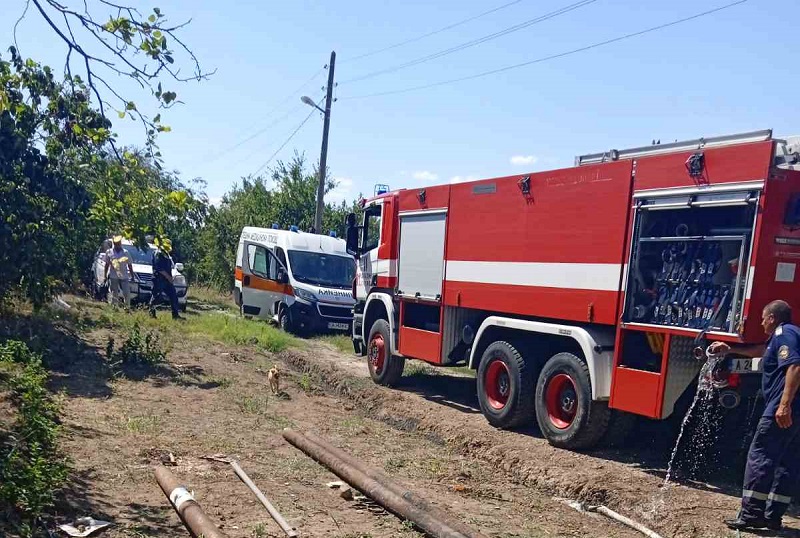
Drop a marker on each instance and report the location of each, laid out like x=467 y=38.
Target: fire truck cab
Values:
x=582 y=295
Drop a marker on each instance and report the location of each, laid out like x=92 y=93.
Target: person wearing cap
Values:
x=118 y=272
x=162 y=278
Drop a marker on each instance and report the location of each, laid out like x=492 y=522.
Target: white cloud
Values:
x=424 y=175
x=342 y=191
x=215 y=200
x=462 y=179
x=523 y=159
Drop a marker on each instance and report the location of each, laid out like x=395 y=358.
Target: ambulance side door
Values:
x=259 y=288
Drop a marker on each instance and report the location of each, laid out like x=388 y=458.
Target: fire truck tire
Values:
x=567 y=416
x=384 y=368
x=505 y=386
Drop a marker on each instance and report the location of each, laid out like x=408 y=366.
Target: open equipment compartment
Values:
x=689 y=257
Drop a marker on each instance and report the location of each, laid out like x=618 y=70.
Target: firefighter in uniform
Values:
x=773 y=462
x=162 y=279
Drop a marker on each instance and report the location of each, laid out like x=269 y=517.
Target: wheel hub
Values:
x=497 y=384
x=561 y=400
x=376 y=353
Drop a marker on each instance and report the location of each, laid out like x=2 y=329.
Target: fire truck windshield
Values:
x=322 y=269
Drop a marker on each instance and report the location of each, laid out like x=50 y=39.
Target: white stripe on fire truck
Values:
x=386 y=268
x=749 y=287
x=580 y=276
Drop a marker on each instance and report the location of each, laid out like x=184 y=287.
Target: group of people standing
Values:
x=119 y=273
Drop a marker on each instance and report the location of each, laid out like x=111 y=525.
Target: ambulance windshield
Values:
x=322 y=269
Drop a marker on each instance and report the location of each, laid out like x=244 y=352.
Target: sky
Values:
x=728 y=72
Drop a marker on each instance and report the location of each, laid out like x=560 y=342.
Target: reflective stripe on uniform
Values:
x=783 y=499
x=755 y=494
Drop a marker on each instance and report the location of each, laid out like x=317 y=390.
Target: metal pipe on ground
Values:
x=273 y=512
x=381 y=490
x=194 y=519
x=391 y=485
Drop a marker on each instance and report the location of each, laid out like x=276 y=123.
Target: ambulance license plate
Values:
x=338 y=326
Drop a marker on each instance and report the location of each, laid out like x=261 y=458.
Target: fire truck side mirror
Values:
x=352 y=235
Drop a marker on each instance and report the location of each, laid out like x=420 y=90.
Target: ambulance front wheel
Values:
x=285 y=321
x=505 y=386
x=384 y=368
x=565 y=411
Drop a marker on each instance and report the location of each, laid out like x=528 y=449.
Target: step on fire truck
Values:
x=581 y=295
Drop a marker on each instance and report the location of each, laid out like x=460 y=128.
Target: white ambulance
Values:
x=301 y=281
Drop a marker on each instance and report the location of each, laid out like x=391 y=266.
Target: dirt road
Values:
x=213 y=398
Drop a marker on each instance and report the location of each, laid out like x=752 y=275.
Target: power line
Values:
x=270 y=113
x=551 y=57
x=260 y=168
x=478 y=41
x=434 y=32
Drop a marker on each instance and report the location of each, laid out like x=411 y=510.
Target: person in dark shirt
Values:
x=773 y=462
x=162 y=279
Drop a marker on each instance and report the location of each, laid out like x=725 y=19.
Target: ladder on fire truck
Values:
x=686 y=145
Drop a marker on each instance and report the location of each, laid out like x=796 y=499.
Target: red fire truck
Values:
x=582 y=294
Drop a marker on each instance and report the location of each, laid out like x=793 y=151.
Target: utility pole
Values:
x=323 y=158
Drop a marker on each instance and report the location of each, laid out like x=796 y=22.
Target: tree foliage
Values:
x=117 y=40
x=63 y=191
x=287 y=198
x=45 y=128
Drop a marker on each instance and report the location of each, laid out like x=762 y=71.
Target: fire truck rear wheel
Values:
x=505 y=386
x=384 y=368
x=567 y=416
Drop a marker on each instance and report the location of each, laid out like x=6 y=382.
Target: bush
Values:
x=31 y=466
x=140 y=349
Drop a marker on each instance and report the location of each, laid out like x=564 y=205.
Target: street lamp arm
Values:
x=308 y=101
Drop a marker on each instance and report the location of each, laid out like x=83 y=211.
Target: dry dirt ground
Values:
x=212 y=398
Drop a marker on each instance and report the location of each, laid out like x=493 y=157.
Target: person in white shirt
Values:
x=118 y=273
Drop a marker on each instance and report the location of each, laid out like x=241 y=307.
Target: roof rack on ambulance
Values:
x=674 y=147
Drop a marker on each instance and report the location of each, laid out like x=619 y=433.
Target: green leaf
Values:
x=169 y=58
x=157 y=118
x=168 y=97
x=121 y=114
x=151 y=18
x=130 y=106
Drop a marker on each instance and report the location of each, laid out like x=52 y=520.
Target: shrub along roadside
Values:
x=32 y=468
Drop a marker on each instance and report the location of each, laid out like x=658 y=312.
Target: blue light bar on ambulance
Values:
x=275 y=226
x=332 y=233
x=381 y=189
x=294 y=228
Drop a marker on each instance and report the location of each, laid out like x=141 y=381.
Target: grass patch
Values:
x=143 y=424
x=220 y=381
x=217 y=326
x=240 y=331
x=206 y=297
x=31 y=465
x=279 y=422
x=341 y=342
x=141 y=348
x=418 y=368
x=306 y=384
x=253 y=404
x=394 y=464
